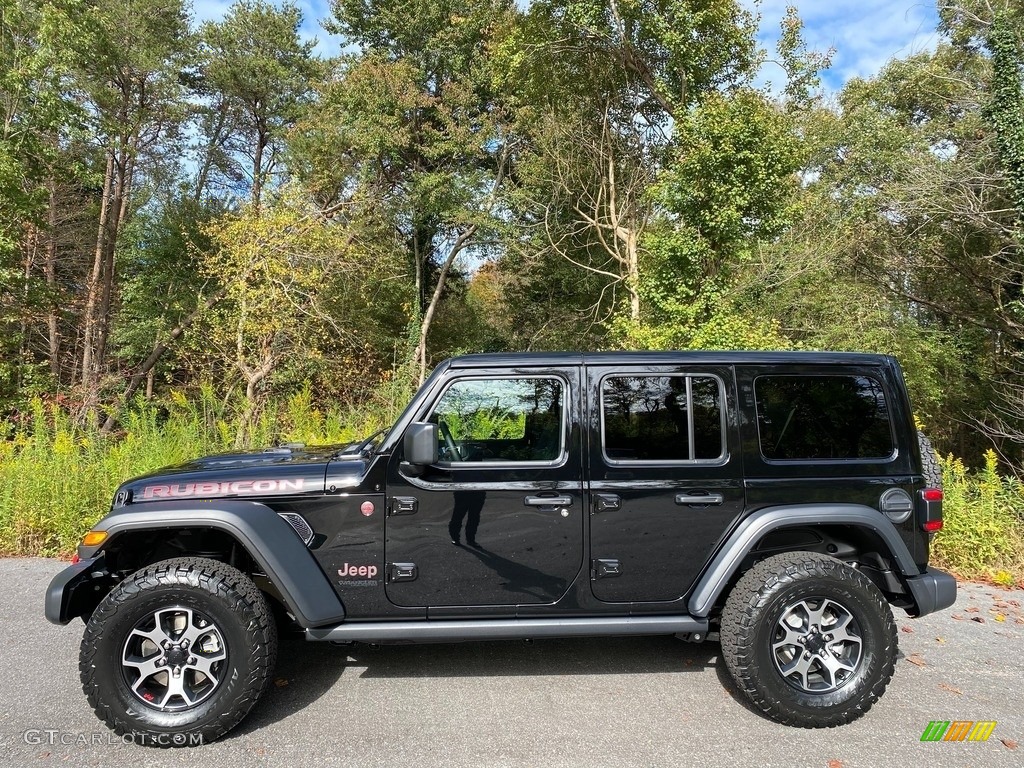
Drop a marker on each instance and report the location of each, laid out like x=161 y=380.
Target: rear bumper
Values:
x=931 y=591
x=72 y=592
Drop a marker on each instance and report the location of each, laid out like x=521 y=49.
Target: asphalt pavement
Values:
x=583 y=703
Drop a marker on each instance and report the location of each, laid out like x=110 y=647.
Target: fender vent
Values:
x=299 y=525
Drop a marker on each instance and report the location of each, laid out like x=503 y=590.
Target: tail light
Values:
x=931 y=520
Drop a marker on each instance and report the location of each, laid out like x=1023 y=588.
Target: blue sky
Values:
x=864 y=33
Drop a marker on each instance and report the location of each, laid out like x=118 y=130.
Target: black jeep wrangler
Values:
x=777 y=501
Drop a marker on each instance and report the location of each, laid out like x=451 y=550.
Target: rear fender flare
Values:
x=753 y=528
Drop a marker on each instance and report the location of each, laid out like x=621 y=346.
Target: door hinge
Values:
x=402 y=572
x=404 y=505
x=605 y=569
x=606 y=502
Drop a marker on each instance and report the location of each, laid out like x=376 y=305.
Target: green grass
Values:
x=983 y=534
x=57 y=479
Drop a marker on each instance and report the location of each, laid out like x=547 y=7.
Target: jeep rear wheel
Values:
x=809 y=639
x=179 y=652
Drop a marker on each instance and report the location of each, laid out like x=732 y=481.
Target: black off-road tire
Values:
x=218 y=595
x=774 y=589
x=929 y=462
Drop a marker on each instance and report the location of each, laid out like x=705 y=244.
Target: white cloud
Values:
x=866 y=34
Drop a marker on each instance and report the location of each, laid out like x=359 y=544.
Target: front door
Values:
x=665 y=477
x=498 y=521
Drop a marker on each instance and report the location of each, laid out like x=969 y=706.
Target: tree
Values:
x=37 y=167
x=409 y=139
x=651 y=164
x=129 y=76
x=257 y=75
x=284 y=271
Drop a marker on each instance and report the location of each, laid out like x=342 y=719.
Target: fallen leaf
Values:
x=916 y=659
x=1014 y=603
x=906 y=629
x=972 y=609
x=958 y=617
x=835 y=764
x=1019 y=621
x=940 y=640
x=951 y=689
x=979 y=619
x=1009 y=743
x=1000 y=617
x=280 y=682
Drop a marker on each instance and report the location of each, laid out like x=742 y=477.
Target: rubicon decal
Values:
x=958 y=730
x=237 y=488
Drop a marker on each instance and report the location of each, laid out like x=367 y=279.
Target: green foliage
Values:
x=735 y=176
x=801 y=65
x=1006 y=108
x=257 y=76
x=732 y=186
x=161 y=275
x=670 y=53
x=57 y=479
x=983 y=533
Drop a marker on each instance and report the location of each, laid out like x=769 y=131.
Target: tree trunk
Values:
x=203 y=177
x=253 y=378
x=257 y=171
x=90 y=370
x=50 y=275
x=633 y=276
x=421 y=349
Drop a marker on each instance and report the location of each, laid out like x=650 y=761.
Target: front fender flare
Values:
x=754 y=527
x=268 y=539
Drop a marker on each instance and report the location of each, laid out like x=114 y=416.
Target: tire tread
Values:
x=746 y=605
x=223 y=582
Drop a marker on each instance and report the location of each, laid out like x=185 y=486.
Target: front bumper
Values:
x=75 y=591
x=932 y=591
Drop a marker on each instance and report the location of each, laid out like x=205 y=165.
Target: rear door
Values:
x=665 y=470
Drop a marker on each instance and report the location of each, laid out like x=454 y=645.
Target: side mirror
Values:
x=420 y=444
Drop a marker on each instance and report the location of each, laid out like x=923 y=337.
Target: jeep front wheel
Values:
x=179 y=652
x=809 y=639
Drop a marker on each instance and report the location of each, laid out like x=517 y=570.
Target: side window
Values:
x=516 y=419
x=822 y=417
x=662 y=418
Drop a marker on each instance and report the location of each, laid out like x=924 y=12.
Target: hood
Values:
x=285 y=454
x=291 y=470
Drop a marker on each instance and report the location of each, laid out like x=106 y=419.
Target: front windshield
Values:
x=366 y=446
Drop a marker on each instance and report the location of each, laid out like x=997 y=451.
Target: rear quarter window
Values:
x=814 y=418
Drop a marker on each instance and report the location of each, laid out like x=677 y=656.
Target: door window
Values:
x=662 y=418
x=501 y=420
